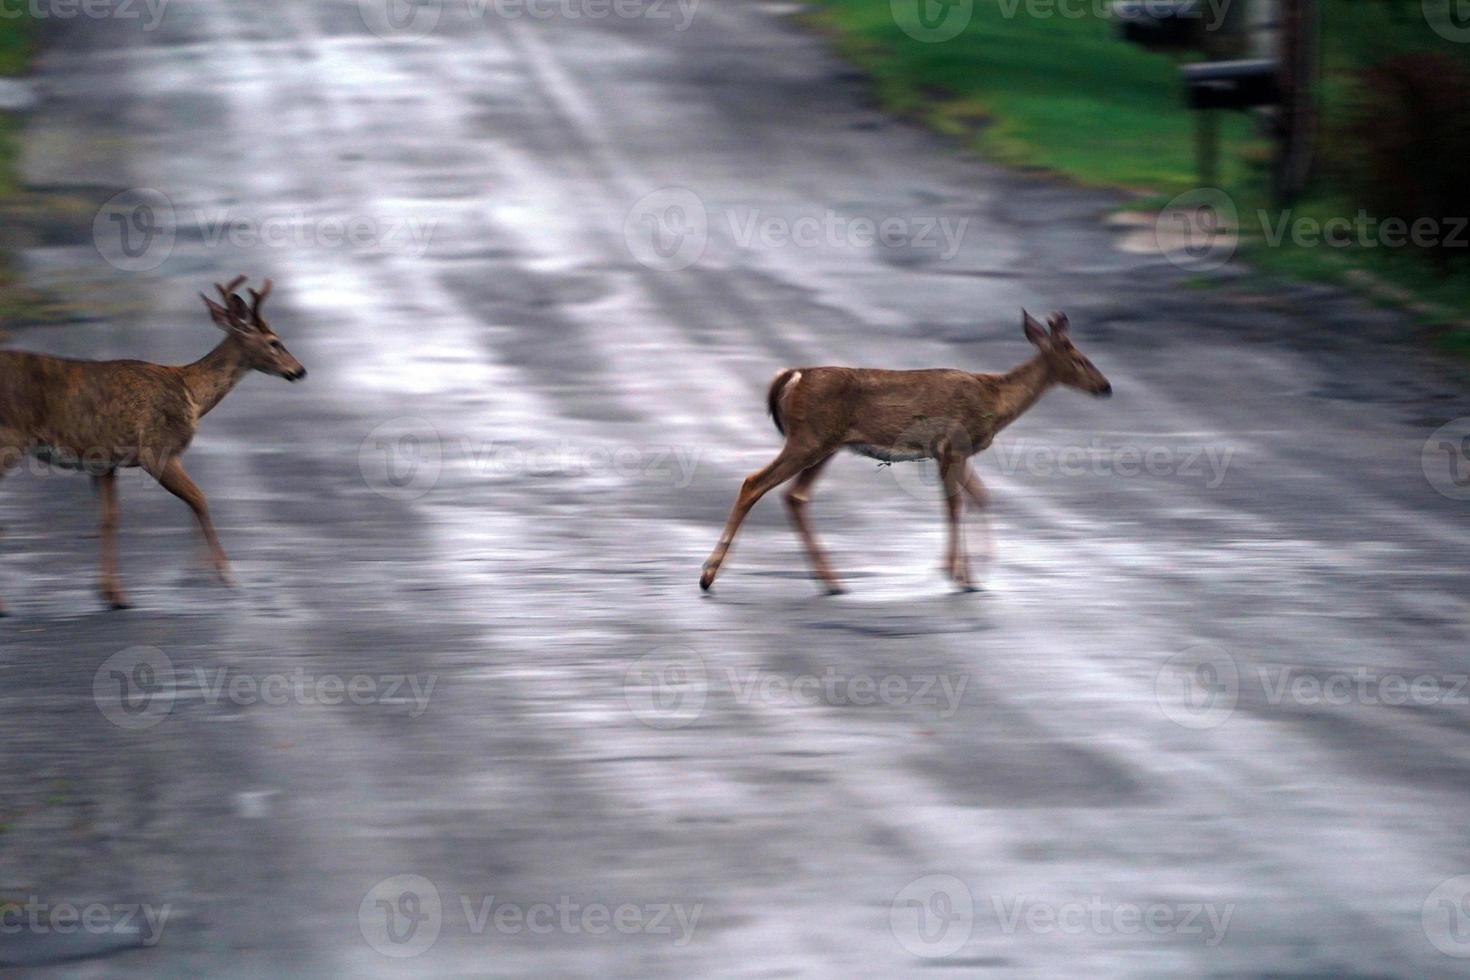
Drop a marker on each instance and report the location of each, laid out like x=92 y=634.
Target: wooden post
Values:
x=1297 y=116
x=1206 y=146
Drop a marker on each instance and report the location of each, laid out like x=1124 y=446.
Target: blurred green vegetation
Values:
x=1063 y=93
x=17 y=37
x=1057 y=92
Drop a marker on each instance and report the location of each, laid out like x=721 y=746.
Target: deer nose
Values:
x=1106 y=391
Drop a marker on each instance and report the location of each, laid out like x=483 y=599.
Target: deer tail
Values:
x=773 y=397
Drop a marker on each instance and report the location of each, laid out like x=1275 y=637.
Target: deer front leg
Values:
x=980 y=497
x=789 y=463
x=173 y=479
x=107 y=496
x=796 y=500
x=952 y=468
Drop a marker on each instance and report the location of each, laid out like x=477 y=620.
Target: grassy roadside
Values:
x=16 y=36
x=1053 y=92
x=18 y=302
x=1025 y=84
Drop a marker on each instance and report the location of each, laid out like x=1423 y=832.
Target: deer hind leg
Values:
x=173 y=479
x=790 y=462
x=12 y=451
x=797 y=497
x=952 y=467
x=106 y=484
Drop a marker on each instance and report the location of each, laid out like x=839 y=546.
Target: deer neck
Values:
x=1019 y=388
x=215 y=375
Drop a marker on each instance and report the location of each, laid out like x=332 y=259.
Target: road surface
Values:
x=467 y=712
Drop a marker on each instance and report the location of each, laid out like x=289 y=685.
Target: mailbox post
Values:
x=1215 y=85
x=1285 y=82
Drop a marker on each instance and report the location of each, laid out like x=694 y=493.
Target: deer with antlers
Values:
x=901 y=416
x=102 y=416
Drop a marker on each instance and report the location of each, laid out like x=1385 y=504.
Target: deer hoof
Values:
x=836 y=588
x=116 y=602
x=707 y=576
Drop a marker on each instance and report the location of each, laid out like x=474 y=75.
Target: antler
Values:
x=228 y=291
x=259 y=297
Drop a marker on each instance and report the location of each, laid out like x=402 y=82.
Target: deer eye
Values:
x=277 y=345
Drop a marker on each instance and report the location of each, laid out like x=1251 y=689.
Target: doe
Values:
x=900 y=416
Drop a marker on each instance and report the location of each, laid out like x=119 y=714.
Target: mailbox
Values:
x=1231 y=84
x=1160 y=25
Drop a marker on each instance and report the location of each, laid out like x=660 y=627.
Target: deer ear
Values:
x=219 y=314
x=1059 y=325
x=1035 y=332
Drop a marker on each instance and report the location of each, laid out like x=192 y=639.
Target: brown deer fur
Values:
x=102 y=416
x=900 y=416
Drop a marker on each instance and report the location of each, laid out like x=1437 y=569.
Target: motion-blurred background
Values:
x=467 y=712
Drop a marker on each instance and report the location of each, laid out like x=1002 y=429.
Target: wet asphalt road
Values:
x=518 y=442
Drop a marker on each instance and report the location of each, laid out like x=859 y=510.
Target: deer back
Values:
x=111 y=411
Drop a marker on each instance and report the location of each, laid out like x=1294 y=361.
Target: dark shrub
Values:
x=1407 y=144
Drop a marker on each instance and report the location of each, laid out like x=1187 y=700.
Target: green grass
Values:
x=1066 y=95
x=1059 y=93
x=17 y=35
x=17 y=38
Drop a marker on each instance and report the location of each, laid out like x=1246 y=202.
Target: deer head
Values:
x=262 y=349
x=1067 y=364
